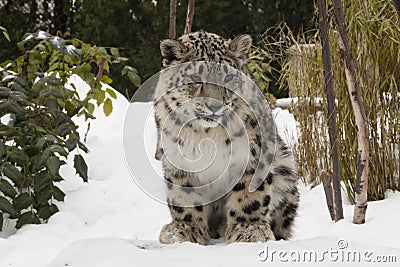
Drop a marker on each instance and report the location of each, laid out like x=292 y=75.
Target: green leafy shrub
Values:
x=37 y=133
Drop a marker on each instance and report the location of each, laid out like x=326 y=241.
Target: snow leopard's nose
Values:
x=214 y=106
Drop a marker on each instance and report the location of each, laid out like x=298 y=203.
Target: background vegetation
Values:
x=37 y=131
x=137 y=26
x=374 y=31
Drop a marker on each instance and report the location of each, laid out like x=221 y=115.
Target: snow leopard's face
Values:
x=204 y=73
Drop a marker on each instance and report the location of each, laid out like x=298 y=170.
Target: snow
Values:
x=287 y=126
x=42 y=35
x=29 y=37
x=7 y=119
x=110 y=221
x=71 y=49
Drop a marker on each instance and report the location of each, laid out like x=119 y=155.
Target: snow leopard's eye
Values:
x=228 y=77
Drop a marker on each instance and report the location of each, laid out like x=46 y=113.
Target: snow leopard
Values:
x=213 y=137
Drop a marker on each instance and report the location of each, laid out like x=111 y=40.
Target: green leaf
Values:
x=44 y=139
x=53 y=164
x=64 y=129
x=23 y=201
x=42 y=180
x=114 y=52
x=46 y=211
x=7 y=188
x=45 y=155
x=27 y=218
x=71 y=144
x=57 y=193
x=6 y=206
x=18 y=96
x=59 y=150
x=111 y=92
x=90 y=108
x=18 y=155
x=17 y=87
x=51 y=103
x=46 y=80
x=105 y=79
x=5 y=33
x=69 y=107
x=134 y=78
x=127 y=69
x=2 y=149
x=44 y=195
x=82 y=146
x=107 y=107
x=13 y=173
x=99 y=95
x=81 y=167
x=15 y=108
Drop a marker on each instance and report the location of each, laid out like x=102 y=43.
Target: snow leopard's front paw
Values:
x=178 y=232
x=245 y=232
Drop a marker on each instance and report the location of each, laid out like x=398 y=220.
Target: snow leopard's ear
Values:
x=240 y=46
x=173 y=52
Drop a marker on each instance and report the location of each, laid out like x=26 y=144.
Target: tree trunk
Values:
x=60 y=18
x=396 y=4
x=327 y=183
x=172 y=19
x=189 y=16
x=330 y=94
x=361 y=189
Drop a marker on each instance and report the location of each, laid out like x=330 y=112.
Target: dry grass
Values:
x=375 y=39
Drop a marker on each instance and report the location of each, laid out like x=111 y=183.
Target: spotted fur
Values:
x=240 y=215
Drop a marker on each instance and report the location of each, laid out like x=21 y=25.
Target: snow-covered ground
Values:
x=110 y=221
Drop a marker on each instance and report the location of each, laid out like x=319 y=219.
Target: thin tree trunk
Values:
x=361 y=189
x=172 y=19
x=59 y=17
x=330 y=94
x=396 y=4
x=327 y=182
x=189 y=16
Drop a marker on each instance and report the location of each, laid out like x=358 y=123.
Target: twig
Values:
x=100 y=72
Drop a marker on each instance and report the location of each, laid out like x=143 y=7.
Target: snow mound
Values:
x=111 y=222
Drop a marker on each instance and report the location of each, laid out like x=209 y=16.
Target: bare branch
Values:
x=172 y=19
x=189 y=16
